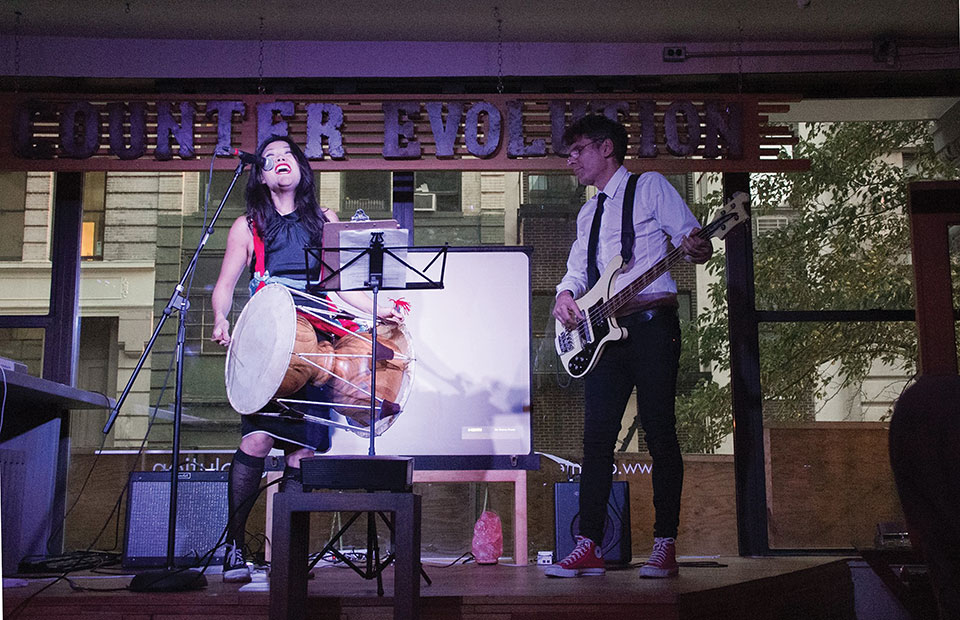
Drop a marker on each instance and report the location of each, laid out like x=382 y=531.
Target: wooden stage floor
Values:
x=794 y=588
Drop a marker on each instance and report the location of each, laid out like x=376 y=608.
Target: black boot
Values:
x=243 y=490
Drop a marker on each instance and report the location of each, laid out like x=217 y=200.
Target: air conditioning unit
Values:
x=770 y=223
x=423 y=201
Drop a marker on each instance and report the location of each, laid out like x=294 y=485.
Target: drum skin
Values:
x=262 y=360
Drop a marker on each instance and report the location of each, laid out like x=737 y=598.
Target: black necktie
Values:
x=593 y=274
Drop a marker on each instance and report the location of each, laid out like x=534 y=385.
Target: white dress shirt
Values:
x=659 y=214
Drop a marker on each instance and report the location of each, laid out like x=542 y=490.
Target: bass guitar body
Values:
x=580 y=348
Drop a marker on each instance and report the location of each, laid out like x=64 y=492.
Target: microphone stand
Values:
x=170 y=578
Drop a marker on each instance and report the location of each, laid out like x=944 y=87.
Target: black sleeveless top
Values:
x=283 y=244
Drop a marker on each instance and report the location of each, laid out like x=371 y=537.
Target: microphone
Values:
x=266 y=163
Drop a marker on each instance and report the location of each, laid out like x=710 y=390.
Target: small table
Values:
x=517 y=476
x=291 y=537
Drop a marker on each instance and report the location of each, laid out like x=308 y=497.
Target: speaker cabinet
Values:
x=202 y=512
x=372 y=473
x=616 y=530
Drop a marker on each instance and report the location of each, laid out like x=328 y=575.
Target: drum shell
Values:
x=300 y=371
x=352 y=375
x=263 y=360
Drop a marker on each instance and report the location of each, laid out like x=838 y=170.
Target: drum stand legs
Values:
x=373 y=566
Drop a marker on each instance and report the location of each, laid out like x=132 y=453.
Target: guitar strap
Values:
x=627 y=234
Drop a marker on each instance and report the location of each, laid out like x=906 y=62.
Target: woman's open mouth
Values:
x=283 y=169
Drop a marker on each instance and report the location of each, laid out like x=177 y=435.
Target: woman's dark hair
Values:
x=260 y=208
x=598 y=127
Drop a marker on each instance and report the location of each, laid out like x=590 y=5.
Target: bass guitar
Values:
x=581 y=346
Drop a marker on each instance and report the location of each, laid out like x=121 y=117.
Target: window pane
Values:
x=556 y=190
x=13 y=191
x=837 y=237
x=828 y=393
x=370 y=190
x=25 y=218
x=94 y=198
x=96 y=372
x=465 y=208
x=24 y=345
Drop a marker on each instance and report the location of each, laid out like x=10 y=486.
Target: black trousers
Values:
x=648 y=360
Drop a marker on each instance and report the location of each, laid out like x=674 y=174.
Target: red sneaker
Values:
x=585 y=559
x=663 y=560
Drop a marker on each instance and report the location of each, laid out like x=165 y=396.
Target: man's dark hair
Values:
x=598 y=127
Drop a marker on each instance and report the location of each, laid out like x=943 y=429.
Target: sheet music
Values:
x=356 y=275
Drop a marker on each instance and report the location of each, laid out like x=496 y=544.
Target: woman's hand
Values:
x=221 y=332
x=394 y=314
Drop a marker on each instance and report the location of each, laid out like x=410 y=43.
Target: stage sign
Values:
x=671 y=134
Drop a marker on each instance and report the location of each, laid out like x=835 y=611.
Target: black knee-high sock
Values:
x=245 y=474
x=292 y=481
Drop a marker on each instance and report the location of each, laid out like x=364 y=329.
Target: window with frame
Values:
x=369 y=190
x=437 y=190
x=94 y=207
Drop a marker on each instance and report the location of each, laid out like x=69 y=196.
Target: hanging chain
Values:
x=260 y=89
x=739 y=57
x=16 y=51
x=496 y=16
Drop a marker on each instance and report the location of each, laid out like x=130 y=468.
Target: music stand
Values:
x=374 y=256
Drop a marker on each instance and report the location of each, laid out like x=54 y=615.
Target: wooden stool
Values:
x=291 y=537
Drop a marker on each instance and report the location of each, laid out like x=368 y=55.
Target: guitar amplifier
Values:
x=368 y=473
x=201 y=517
x=616 y=530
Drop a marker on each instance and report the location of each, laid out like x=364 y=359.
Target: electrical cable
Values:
x=83 y=486
x=23 y=604
x=77 y=559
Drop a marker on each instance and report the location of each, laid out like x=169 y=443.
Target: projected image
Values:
x=470 y=393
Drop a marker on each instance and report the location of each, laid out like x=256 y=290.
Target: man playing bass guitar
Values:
x=647 y=358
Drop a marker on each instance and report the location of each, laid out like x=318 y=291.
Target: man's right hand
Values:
x=566 y=310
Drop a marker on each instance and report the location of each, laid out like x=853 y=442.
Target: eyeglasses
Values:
x=575 y=152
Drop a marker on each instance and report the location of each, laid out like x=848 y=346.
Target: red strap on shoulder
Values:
x=346 y=325
x=259 y=259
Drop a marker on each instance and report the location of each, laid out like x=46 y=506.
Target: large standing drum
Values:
x=274 y=352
